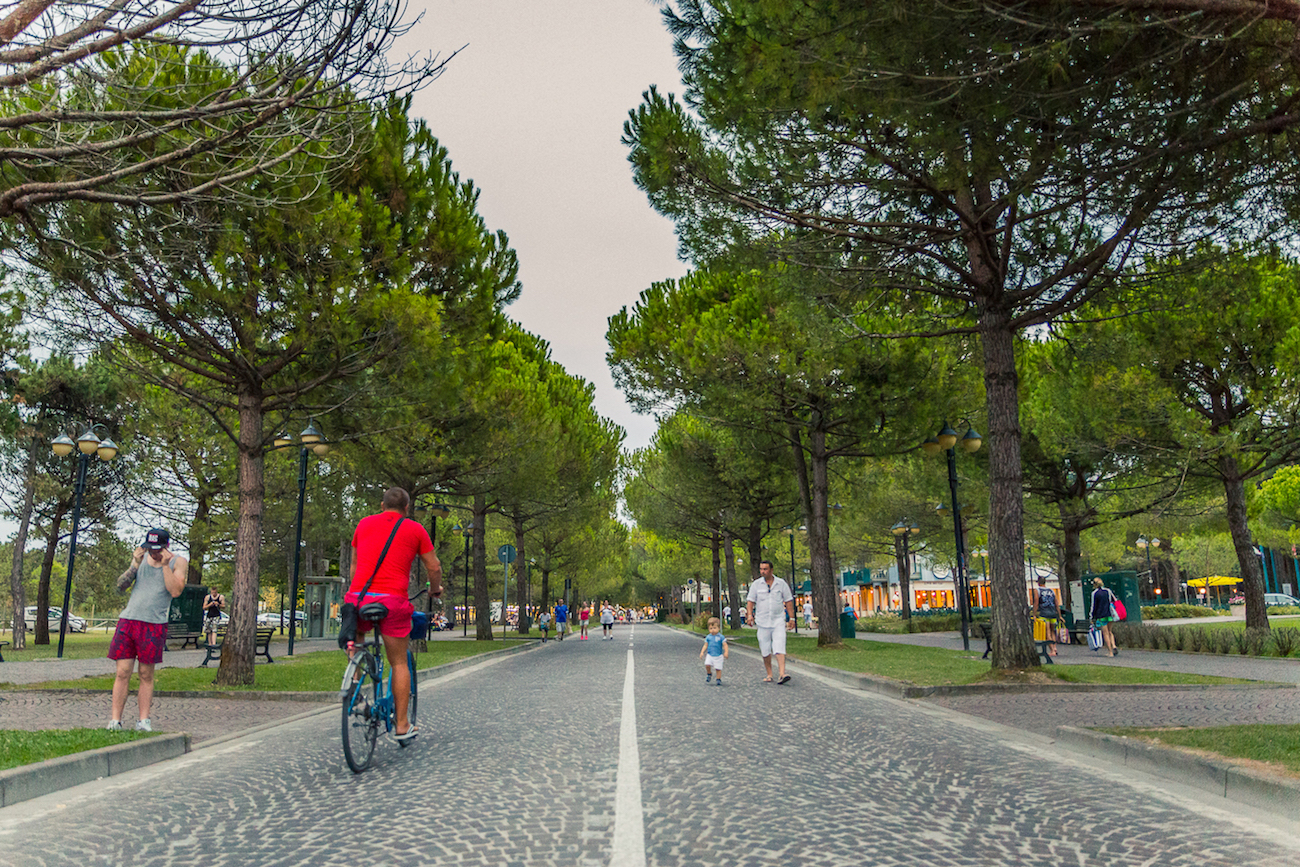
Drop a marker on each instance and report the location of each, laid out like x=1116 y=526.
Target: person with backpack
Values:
x=1103 y=614
x=1046 y=610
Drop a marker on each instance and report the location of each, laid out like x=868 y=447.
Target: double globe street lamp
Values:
x=903 y=532
x=946 y=441
x=88 y=444
x=311 y=439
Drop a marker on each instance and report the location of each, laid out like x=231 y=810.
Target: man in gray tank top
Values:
x=141 y=634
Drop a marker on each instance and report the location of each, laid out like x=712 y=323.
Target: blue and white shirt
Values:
x=714 y=643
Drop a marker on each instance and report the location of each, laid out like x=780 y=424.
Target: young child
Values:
x=714 y=652
x=544 y=623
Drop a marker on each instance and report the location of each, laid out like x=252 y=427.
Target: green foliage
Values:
x=1168 y=612
x=1276 y=744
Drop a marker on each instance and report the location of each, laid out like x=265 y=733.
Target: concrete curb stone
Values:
x=52 y=775
x=1237 y=784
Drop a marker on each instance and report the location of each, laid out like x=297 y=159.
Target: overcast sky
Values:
x=532 y=110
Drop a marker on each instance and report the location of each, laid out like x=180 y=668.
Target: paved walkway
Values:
x=203 y=718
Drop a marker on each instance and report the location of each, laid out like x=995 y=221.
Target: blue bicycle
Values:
x=368 y=701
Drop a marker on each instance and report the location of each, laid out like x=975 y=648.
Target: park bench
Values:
x=261 y=645
x=182 y=633
x=986 y=632
x=3 y=645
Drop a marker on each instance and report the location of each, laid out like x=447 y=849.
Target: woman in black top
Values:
x=1103 y=614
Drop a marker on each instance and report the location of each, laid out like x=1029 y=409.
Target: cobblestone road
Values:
x=519 y=765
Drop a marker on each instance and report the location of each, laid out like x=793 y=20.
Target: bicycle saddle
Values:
x=374 y=611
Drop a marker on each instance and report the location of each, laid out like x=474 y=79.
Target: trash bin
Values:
x=848 y=625
x=187 y=609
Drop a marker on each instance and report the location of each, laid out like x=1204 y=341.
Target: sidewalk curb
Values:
x=903 y=689
x=1230 y=782
x=52 y=775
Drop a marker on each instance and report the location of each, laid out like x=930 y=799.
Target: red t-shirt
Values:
x=394 y=575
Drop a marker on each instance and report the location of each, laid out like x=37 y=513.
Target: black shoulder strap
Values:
x=361 y=597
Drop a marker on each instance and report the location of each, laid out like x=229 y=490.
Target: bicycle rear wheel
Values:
x=360 y=714
x=412 y=705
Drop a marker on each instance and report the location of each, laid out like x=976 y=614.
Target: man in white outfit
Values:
x=770 y=606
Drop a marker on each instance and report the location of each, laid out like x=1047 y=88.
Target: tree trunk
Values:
x=715 y=583
x=1013 y=646
x=237 y=658
x=1071 y=556
x=47 y=569
x=826 y=595
x=198 y=540
x=904 y=557
x=521 y=572
x=17 y=587
x=733 y=587
x=478 y=546
x=1252 y=572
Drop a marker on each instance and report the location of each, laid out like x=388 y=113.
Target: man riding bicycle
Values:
x=391 y=586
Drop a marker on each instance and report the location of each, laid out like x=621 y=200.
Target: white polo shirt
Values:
x=769 y=602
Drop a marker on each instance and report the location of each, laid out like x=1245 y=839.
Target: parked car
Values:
x=1271 y=599
x=269 y=618
x=75 y=623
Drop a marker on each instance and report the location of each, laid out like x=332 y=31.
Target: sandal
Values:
x=784 y=679
x=408 y=735
x=767 y=680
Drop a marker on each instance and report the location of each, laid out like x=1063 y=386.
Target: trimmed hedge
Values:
x=1168 y=612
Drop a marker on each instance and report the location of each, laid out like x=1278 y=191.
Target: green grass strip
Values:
x=18 y=748
x=1278 y=745
x=935 y=666
x=319 y=671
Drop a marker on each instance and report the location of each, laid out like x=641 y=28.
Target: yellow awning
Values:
x=1213 y=581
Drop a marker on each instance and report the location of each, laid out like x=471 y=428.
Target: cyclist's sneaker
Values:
x=144 y=726
x=114 y=725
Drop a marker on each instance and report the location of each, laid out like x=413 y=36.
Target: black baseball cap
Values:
x=156 y=539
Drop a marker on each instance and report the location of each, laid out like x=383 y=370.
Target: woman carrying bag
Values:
x=1103 y=614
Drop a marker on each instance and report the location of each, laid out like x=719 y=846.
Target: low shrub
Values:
x=1285 y=641
x=1241 y=642
x=1177 y=638
x=1168 y=612
x=931 y=622
x=1283 y=609
x=1257 y=640
x=880 y=623
x=702 y=620
x=1195 y=639
x=1222 y=641
x=674 y=617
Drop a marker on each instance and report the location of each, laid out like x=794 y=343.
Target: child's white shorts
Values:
x=714 y=662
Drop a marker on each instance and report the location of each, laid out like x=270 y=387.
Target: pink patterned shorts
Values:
x=135 y=639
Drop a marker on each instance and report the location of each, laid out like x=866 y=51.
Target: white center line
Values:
x=629 y=829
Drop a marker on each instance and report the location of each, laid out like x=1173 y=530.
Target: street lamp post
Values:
x=983 y=554
x=903 y=532
x=88 y=444
x=436 y=511
x=467 y=531
x=311 y=439
x=945 y=441
x=789 y=531
x=1146 y=545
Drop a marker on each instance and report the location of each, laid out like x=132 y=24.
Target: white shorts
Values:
x=561 y=626
x=714 y=662
x=771 y=639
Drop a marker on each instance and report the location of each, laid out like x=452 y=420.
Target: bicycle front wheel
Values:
x=360 y=715
x=411 y=706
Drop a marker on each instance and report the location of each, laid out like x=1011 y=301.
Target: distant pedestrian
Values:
x=607 y=621
x=141 y=634
x=768 y=606
x=726 y=614
x=1043 y=605
x=1103 y=614
x=543 y=623
x=561 y=619
x=584 y=614
x=714 y=652
x=807 y=613
x=212 y=605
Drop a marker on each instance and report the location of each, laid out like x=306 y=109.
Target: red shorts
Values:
x=398 y=621
x=135 y=639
